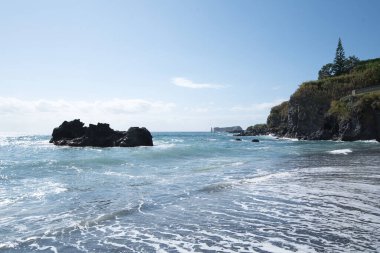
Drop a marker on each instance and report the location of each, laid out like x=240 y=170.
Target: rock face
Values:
x=75 y=134
x=315 y=118
x=306 y=113
x=354 y=118
x=258 y=129
x=277 y=121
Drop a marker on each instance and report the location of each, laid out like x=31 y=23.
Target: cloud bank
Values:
x=186 y=83
x=114 y=106
x=41 y=116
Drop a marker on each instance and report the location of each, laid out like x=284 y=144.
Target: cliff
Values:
x=259 y=129
x=354 y=118
x=277 y=121
x=326 y=109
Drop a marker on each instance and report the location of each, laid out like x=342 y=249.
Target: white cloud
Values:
x=114 y=106
x=41 y=116
x=259 y=107
x=183 y=82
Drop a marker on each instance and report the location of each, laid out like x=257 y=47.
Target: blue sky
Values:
x=168 y=65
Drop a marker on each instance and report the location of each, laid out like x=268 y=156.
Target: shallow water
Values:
x=191 y=192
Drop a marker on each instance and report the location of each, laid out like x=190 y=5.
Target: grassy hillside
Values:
x=346 y=107
x=366 y=73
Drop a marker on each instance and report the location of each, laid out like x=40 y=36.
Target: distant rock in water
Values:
x=258 y=129
x=75 y=134
x=233 y=129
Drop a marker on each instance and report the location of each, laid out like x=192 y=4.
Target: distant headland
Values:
x=233 y=129
x=343 y=104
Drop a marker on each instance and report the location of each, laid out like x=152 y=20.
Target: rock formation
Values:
x=233 y=129
x=328 y=109
x=258 y=129
x=74 y=133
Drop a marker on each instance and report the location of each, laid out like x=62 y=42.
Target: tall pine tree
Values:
x=339 y=61
x=341 y=65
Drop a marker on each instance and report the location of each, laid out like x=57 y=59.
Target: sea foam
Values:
x=340 y=151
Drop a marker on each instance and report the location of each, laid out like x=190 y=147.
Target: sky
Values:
x=168 y=65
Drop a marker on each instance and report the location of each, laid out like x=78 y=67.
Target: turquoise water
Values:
x=191 y=192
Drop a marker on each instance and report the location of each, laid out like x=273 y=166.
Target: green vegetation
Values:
x=320 y=109
x=326 y=109
x=364 y=74
x=368 y=100
x=339 y=109
x=341 y=65
x=340 y=60
x=345 y=107
x=278 y=114
x=277 y=120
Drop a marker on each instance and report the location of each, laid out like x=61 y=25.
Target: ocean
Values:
x=191 y=192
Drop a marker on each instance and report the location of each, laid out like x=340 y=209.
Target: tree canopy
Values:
x=341 y=65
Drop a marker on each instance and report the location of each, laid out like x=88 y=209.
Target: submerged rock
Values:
x=255 y=140
x=74 y=133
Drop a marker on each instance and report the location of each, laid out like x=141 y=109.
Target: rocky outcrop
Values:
x=258 y=129
x=306 y=115
x=318 y=118
x=277 y=121
x=354 y=118
x=233 y=129
x=75 y=134
x=324 y=109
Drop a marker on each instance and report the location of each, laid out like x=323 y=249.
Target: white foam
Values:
x=270 y=247
x=164 y=145
x=113 y=173
x=236 y=164
x=368 y=141
x=43 y=248
x=340 y=151
x=177 y=140
x=41 y=188
x=8 y=245
x=263 y=178
x=288 y=139
x=6 y=202
x=26 y=141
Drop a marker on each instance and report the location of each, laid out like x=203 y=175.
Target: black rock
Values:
x=136 y=136
x=237 y=139
x=255 y=140
x=258 y=129
x=68 y=130
x=75 y=134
